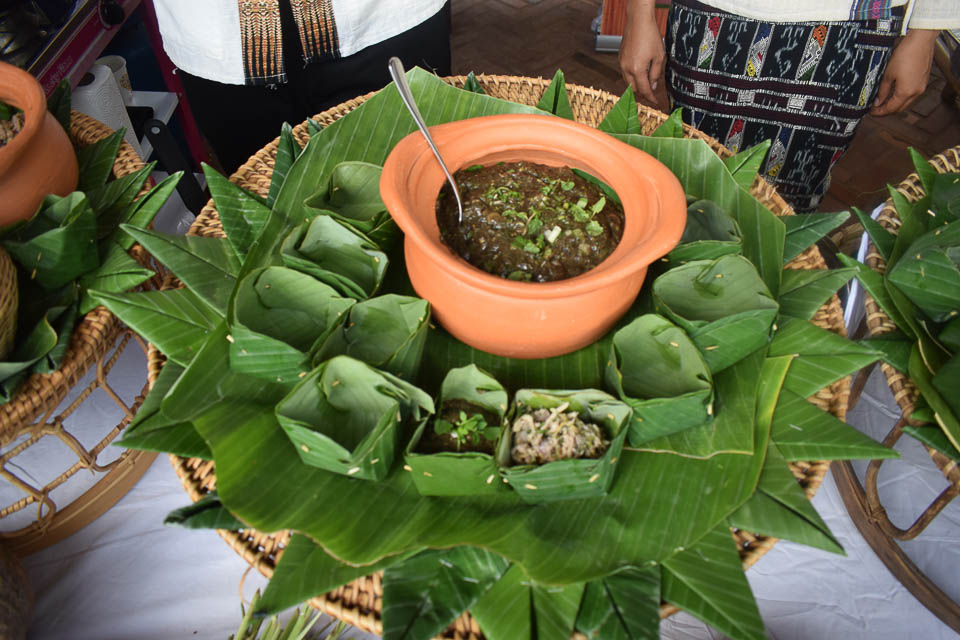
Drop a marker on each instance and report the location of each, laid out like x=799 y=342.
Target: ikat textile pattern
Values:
x=804 y=86
x=262 y=36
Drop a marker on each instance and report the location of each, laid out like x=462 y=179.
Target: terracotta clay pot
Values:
x=525 y=319
x=40 y=159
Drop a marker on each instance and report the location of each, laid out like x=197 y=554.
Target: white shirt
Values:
x=202 y=37
x=921 y=14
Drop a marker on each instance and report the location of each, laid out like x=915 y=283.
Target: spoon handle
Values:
x=400 y=79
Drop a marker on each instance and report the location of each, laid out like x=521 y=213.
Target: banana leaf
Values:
x=206 y=513
x=710 y=233
x=350 y=418
x=387 y=332
x=804 y=230
x=242 y=214
x=96 y=161
x=288 y=149
x=822 y=357
x=422 y=595
x=658 y=371
x=117 y=272
x=35 y=341
x=337 y=255
x=555 y=99
x=672 y=127
x=111 y=201
x=279 y=317
x=882 y=239
x=622 y=118
x=946 y=380
x=59 y=244
x=472 y=85
x=569 y=479
x=517 y=608
x=700 y=296
x=935 y=438
x=945 y=196
x=949 y=335
x=305 y=567
x=804 y=291
x=801 y=431
x=921 y=376
x=929 y=272
x=624 y=605
x=895 y=348
x=143 y=210
x=745 y=164
x=708 y=582
x=177 y=321
x=452 y=473
x=780 y=509
x=353 y=198
x=704 y=175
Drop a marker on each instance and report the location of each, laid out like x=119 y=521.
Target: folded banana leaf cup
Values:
x=351 y=418
x=470 y=392
x=568 y=479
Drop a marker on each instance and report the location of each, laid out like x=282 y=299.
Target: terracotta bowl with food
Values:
x=505 y=310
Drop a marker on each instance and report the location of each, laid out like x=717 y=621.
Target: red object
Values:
x=40 y=159
x=530 y=319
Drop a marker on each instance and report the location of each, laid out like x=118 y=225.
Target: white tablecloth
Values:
x=127 y=575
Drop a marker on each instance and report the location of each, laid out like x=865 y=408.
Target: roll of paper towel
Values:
x=98 y=96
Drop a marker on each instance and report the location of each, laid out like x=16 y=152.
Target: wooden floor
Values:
x=537 y=37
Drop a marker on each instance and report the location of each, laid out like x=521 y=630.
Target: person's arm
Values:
x=907 y=72
x=641 y=49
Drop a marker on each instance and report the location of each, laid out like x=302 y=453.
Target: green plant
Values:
x=301 y=626
x=723 y=342
x=920 y=292
x=468 y=430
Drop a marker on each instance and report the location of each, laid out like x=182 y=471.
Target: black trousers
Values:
x=239 y=120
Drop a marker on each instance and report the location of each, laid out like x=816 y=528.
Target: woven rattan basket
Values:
x=904 y=390
x=358 y=603
x=36 y=413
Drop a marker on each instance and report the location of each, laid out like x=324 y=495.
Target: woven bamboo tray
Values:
x=358 y=603
x=863 y=501
x=35 y=413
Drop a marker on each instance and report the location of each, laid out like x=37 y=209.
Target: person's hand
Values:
x=641 y=50
x=907 y=72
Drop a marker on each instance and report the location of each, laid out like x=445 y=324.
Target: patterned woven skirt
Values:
x=803 y=86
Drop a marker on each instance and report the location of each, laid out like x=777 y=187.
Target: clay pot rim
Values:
x=622 y=263
x=20 y=89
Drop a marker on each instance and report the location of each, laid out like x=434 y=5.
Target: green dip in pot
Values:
x=529 y=222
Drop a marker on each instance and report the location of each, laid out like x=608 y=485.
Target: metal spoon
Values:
x=400 y=79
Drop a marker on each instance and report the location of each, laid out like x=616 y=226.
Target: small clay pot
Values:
x=40 y=159
x=530 y=319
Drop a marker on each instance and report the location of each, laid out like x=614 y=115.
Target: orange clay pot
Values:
x=530 y=319
x=40 y=159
